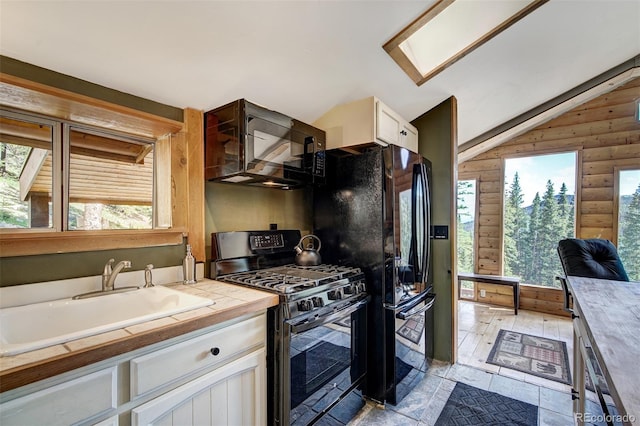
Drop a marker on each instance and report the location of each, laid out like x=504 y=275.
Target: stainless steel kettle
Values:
x=309 y=255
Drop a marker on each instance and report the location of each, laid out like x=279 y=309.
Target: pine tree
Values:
x=515 y=225
x=565 y=216
x=629 y=241
x=550 y=230
x=532 y=257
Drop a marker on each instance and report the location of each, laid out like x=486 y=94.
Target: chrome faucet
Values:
x=111 y=272
x=148 y=279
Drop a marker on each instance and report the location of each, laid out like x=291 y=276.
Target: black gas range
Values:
x=307 y=291
x=316 y=335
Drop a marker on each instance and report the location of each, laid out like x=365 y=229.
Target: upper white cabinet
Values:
x=365 y=121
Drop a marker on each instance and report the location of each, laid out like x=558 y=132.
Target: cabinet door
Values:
x=388 y=125
x=409 y=137
x=234 y=394
x=66 y=403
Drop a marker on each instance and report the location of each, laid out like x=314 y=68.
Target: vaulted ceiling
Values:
x=303 y=57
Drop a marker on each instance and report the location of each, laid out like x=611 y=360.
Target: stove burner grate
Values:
x=293 y=278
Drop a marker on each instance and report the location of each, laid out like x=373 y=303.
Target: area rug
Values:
x=412 y=328
x=535 y=355
x=468 y=405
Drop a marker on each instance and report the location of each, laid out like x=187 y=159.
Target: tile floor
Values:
x=478 y=325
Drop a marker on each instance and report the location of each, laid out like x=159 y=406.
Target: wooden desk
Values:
x=608 y=320
x=514 y=282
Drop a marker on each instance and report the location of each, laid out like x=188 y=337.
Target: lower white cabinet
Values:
x=215 y=376
x=231 y=395
x=66 y=403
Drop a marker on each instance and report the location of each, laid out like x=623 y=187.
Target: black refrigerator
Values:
x=374 y=212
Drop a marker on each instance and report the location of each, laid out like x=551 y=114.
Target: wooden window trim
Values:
x=52 y=242
x=26 y=95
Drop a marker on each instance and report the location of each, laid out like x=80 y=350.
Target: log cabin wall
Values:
x=605 y=133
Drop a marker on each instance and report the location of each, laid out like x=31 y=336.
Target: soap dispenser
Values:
x=189 y=267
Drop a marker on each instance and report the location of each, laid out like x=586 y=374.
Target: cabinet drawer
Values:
x=156 y=369
x=67 y=403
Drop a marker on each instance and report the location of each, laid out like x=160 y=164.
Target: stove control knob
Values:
x=335 y=294
x=305 y=305
x=348 y=289
x=318 y=302
x=361 y=288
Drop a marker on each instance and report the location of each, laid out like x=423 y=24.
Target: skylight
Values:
x=449 y=30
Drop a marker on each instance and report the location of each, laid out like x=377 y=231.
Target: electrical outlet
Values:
x=483 y=293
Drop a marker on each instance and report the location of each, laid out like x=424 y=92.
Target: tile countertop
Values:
x=231 y=301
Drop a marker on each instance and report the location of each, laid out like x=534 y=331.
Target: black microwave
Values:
x=252 y=145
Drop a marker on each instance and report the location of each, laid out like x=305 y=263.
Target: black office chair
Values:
x=594 y=258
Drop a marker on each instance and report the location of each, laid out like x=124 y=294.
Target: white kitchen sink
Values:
x=35 y=326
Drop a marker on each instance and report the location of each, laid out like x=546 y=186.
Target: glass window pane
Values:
x=466 y=224
x=539 y=211
x=110 y=182
x=25 y=174
x=466 y=229
x=629 y=222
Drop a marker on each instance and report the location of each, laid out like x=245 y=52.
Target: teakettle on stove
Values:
x=309 y=255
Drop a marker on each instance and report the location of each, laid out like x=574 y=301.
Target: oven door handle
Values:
x=299 y=328
x=403 y=315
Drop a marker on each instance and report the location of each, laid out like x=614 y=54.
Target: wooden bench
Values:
x=514 y=282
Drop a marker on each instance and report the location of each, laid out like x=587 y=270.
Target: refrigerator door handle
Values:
x=413 y=249
x=415 y=301
x=426 y=210
x=413 y=311
x=421 y=266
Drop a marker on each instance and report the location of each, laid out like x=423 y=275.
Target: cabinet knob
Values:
x=403 y=133
x=215 y=351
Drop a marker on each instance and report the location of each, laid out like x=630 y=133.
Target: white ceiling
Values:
x=303 y=57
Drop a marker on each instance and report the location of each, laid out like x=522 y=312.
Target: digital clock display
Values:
x=266 y=241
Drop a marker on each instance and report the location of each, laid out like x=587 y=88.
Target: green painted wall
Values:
x=60 y=266
x=231 y=207
x=435 y=143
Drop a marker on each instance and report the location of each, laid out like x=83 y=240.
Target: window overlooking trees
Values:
x=538 y=212
x=102 y=181
x=629 y=221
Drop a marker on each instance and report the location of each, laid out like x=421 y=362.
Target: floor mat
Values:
x=468 y=405
x=535 y=355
